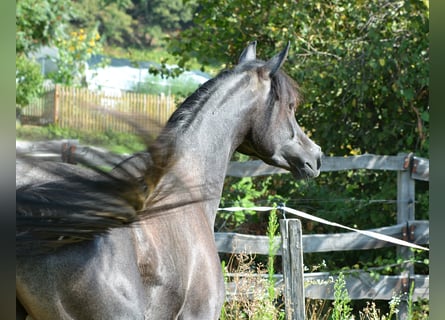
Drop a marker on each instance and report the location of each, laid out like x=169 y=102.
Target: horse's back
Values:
x=98 y=279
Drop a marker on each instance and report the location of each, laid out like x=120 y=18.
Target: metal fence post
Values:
x=292 y=253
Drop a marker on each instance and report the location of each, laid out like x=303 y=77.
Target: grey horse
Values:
x=138 y=242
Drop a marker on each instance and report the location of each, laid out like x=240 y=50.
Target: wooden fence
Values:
x=320 y=285
x=359 y=283
x=80 y=108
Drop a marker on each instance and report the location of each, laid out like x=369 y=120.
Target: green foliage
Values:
x=363 y=70
x=243 y=192
x=110 y=16
x=341 y=308
x=28 y=82
x=74 y=50
x=170 y=15
x=134 y=23
x=159 y=18
x=37 y=21
x=45 y=22
x=364 y=64
x=272 y=229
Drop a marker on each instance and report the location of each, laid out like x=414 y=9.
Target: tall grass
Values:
x=257 y=296
x=272 y=231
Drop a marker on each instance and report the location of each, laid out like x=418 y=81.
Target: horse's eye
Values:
x=292 y=106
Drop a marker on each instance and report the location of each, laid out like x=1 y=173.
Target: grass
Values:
x=178 y=87
x=121 y=143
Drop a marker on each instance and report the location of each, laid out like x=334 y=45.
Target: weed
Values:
x=341 y=308
x=317 y=309
x=371 y=312
x=273 y=248
x=256 y=295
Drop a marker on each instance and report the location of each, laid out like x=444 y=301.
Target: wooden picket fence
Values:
x=82 y=109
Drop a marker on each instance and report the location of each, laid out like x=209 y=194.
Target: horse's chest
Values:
x=160 y=260
x=177 y=264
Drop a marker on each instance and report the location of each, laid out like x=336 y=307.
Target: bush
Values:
x=29 y=80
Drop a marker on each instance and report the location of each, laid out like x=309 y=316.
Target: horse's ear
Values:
x=249 y=53
x=275 y=63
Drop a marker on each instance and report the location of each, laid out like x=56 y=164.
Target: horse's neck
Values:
x=203 y=151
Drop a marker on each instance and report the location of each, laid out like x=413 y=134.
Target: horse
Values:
x=138 y=242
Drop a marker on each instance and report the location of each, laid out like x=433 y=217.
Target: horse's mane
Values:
x=187 y=110
x=74 y=204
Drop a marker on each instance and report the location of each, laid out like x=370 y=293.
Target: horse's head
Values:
x=274 y=134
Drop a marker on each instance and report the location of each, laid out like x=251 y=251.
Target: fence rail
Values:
x=239 y=243
x=80 y=108
x=418 y=166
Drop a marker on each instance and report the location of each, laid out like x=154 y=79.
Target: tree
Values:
x=109 y=16
x=74 y=50
x=169 y=15
x=47 y=22
x=156 y=18
x=29 y=81
x=37 y=22
x=133 y=22
x=362 y=63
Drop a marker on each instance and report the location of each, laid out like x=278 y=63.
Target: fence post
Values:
x=292 y=253
x=56 y=103
x=405 y=213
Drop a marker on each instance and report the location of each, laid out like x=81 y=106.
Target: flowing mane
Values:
x=189 y=108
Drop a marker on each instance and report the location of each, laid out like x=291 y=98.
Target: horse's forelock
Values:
x=285 y=89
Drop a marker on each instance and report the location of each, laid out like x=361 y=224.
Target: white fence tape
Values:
x=304 y=215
